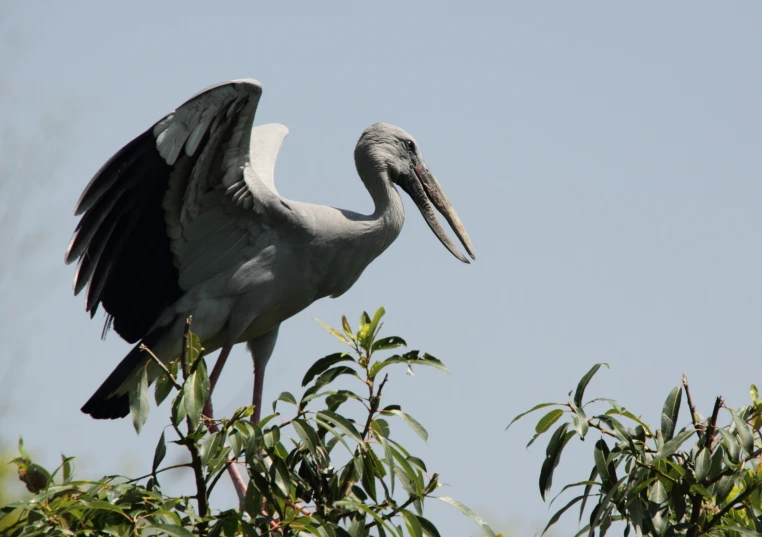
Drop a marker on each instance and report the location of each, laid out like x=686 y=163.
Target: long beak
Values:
x=426 y=188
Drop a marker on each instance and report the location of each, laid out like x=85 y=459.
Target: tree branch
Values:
x=691 y=406
x=712 y=428
x=202 y=496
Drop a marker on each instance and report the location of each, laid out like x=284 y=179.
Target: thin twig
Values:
x=228 y=463
x=173 y=467
x=186 y=347
x=691 y=406
x=654 y=469
x=696 y=499
x=161 y=365
x=712 y=428
x=374 y=402
x=432 y=485
x=299 y=508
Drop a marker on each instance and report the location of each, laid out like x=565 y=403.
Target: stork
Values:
x=185 y=221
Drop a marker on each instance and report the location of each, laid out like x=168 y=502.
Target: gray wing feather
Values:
x=214 y=209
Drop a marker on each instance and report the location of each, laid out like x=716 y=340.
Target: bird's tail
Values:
x=112 y=399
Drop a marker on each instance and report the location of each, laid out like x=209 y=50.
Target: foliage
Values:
x=314 y=470
x=650 y=479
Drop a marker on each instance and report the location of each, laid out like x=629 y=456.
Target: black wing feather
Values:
x=122 y=240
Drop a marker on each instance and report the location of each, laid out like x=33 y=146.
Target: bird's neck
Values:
x=363 y=237
x=388 y=215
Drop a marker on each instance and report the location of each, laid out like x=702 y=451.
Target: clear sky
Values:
x=604 y=157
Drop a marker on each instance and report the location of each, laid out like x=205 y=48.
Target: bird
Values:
x=185 y=221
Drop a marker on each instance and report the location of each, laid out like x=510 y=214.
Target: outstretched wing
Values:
x=181 y=202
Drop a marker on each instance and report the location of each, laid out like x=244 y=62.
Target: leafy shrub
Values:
x=297 y=484
x=647 y=479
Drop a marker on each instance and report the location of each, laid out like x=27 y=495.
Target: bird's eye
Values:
x=410 y=145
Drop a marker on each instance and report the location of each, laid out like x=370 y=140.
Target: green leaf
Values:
x=619 y=430
x=178 y=409
x=601 y=515
x=164 y=386
x=411 y=359
x=754 y=393
x=545 y=423
x=536 y=407
x=196 y=392
x=210 y=446
x=602 y=464
x=159 y=453
x=335 y=333
x=414 y=527
x=171 y=530
x=194 y=350
x=557 y=514
x=580 y=422
x=342 y=423
x=391 y=342
x=307 y=435
x=586 y=494
x=252 y=502
x=286 y=397
x=580 y=391
x=469 y=513
x=428 y=528
x=373 y=327
x=364 y=508
x=670 y=413
x=368 y=475
x=731 y=444
x=104 y=506
x=14 y=519
x=388 y=457
x=329 y=376
x=66 y=464
x=657 y=499
x=547 y=420
x=139 y=403
x=744 y=433
x=357 y=527
x=724 y=487
x=703 y=464
x=552 y=458
x=407 y=418
x=236 y=440
x=346 y=327
x=323 y=364
x=280 y=476
x=672 y=446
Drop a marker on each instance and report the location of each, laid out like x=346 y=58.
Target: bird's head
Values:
x=395 y=154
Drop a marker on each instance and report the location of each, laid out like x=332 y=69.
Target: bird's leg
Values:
x=259 y=382
x=235 y=475
x=261 y=349
x=216 y=370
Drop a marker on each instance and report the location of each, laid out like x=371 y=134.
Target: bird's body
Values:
x=186 y=221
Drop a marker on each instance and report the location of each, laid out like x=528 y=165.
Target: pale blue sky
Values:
x=605 y=159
